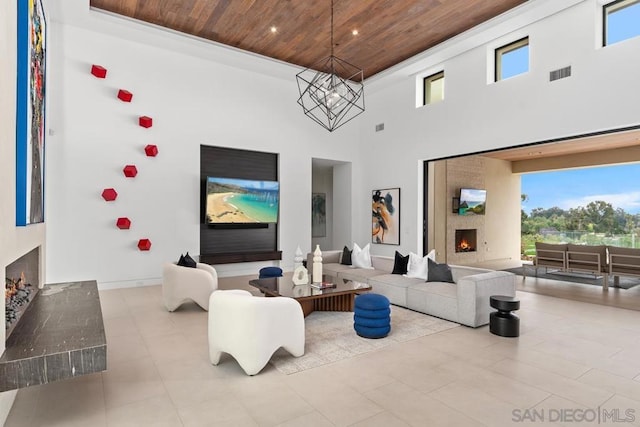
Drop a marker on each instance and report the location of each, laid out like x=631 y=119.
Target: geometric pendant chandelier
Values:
x=332 y=90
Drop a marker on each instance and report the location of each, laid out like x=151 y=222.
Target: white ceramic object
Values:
x=300 y=276
x=317 y=265
x=297 y=259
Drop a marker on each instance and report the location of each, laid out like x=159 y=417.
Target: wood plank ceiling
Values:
x=606 y=142
x=389 y=31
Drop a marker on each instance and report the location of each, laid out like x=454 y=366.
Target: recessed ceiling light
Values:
x=354 y=32
x=274 y=29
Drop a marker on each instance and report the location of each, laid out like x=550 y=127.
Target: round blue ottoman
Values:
x=371 y=316
x=270 y=272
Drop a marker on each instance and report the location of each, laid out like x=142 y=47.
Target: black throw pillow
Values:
x=400 y=264
x=188 y=261
x=181 y=261
x=439 y=272
x=346 y=256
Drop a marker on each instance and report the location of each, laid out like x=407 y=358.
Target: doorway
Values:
x=330 y=203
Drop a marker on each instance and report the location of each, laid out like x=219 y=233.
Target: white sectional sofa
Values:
x=466 y=301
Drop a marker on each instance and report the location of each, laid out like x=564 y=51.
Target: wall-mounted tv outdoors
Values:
x=472 y=202
x=241 y=201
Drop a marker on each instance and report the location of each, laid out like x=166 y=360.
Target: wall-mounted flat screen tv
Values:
x=241 y=201
x=472 y=201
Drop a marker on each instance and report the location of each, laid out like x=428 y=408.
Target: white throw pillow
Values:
x=360 y=257
x=418 y=266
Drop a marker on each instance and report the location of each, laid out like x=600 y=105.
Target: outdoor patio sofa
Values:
x=623 y=262
x=596 y=259
x=466 y=301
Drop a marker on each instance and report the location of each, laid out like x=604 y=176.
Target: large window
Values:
x=621 y=21
x=434 y=88
x=512 y=59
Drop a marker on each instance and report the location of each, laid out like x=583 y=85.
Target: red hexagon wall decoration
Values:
x=130 y=171
x=151 y=150
x=144 y=244
x=99 y=71
x=125 y=95
x=145 y=121
x=109 y=194
x=123 y=223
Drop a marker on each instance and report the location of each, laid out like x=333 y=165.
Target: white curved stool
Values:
x=252 y=328
x=182 y=284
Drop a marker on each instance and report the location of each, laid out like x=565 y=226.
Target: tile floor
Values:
x=573 y=359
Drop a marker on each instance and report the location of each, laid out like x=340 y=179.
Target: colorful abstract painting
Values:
x=30 y=110
x=385 y=216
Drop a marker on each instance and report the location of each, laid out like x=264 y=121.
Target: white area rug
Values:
x=330 y=337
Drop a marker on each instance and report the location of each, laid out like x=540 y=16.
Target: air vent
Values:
x=379 y=127
x=560 y=73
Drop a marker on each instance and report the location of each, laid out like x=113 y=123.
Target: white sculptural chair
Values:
x=182 y=284
x=251 y=329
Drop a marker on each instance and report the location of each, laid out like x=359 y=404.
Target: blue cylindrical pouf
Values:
x=371 y=316
x=270 y=272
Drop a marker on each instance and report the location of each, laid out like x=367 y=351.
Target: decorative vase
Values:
x=300 y=276
x=317 y=265
x=297 y=259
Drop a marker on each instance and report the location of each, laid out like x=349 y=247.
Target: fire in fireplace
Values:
x=21 y=286
x=17 y=294
x=466 y=240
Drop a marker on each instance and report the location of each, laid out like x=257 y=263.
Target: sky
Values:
x=618 y=185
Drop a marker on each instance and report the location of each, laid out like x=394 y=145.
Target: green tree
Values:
x=625 y=223
x=559 y=222
x=576 y=219
x=554 y=211
x=601 y=216
x=537 y=212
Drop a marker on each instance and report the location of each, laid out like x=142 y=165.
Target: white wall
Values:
x=192 y=101
x=346 y=206
x=476 y=115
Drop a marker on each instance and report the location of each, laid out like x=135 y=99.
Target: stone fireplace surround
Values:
x=59 y=335
x=464 y=173
x=495 y=230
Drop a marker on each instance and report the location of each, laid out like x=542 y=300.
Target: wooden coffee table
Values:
x=340 y=298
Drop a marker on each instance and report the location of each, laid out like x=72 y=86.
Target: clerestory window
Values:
x=512 y=59
x=433 y=88
x=621 y=21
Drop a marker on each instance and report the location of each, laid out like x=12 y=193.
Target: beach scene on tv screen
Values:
x=241 y=201
x=472 y=202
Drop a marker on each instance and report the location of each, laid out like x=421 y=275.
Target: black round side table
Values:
x=503 y=322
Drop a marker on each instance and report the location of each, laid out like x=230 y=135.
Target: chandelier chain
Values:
x=331 y=27
x=332 y=66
